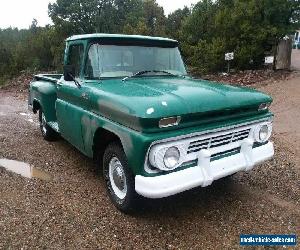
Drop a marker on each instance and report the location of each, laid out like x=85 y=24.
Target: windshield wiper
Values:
x=148 y=71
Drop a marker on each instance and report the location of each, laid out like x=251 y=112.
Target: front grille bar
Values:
x=217 y=141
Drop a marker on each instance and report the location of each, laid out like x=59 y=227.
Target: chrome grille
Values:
x=217 y=141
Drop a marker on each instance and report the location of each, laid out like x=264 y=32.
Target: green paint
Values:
x=131 y=109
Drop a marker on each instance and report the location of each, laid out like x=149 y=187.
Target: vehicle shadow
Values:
x=220 y=195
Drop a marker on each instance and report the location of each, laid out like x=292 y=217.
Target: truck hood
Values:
x=141 y=102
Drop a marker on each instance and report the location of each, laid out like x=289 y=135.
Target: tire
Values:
x=119 y=179
x=47 y=132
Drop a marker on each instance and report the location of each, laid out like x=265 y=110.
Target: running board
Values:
x=54 y=125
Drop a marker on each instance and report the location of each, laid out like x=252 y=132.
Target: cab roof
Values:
x=125 y=39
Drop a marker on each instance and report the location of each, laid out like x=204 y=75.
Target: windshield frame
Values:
x=157 y=74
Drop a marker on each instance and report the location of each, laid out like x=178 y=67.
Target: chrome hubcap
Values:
x=44 y=123
x=117 y=178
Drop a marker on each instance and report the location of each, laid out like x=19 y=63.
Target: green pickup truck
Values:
x=128 y=103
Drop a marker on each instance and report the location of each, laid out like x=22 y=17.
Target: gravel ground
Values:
x=72 y=211
x=296 y=59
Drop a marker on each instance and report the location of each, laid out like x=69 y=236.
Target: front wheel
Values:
x=119 y=179
x=47 y=132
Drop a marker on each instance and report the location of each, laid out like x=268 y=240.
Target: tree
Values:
x=34 y=25
x=175 y=21
x=78 y=16
x=154 y=18
x=250 y=28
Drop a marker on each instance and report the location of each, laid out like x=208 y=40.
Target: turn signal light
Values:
x=169 y=122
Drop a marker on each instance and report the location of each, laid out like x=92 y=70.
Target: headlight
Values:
x=263 y=133
x=172 y=157
x=166 y=157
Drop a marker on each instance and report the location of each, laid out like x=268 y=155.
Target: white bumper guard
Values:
x=205 y=172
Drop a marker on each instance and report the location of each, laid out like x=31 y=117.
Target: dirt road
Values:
x=286 y=106
x=296 y=59
x=72 y=210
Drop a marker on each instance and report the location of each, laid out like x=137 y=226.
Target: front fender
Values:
x=135 y=144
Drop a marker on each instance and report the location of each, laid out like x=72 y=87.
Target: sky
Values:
x=171 y=5
x=20 y=13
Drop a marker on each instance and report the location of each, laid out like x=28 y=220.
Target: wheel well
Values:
x=101 y=140
x=36 y=106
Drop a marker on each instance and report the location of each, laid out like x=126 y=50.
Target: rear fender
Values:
x=43 y=95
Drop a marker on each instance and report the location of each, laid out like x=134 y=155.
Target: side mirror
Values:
x=69 y=72
x=69 y=75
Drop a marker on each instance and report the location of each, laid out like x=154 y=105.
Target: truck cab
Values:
x=128 y=103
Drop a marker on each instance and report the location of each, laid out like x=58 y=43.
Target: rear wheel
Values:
x=119 y=178
x=48 y=133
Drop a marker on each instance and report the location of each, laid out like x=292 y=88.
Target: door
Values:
x=73 y=101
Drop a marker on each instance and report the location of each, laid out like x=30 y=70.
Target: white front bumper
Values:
x=204 y=173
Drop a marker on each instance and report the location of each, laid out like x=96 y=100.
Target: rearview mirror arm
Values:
x=75 y=81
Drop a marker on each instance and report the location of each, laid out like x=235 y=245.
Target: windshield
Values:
x=125 y=61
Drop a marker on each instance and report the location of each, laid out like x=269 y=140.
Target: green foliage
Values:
x=24 y=49
x=175 y=21
x=207 y=56
x=250 y=28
